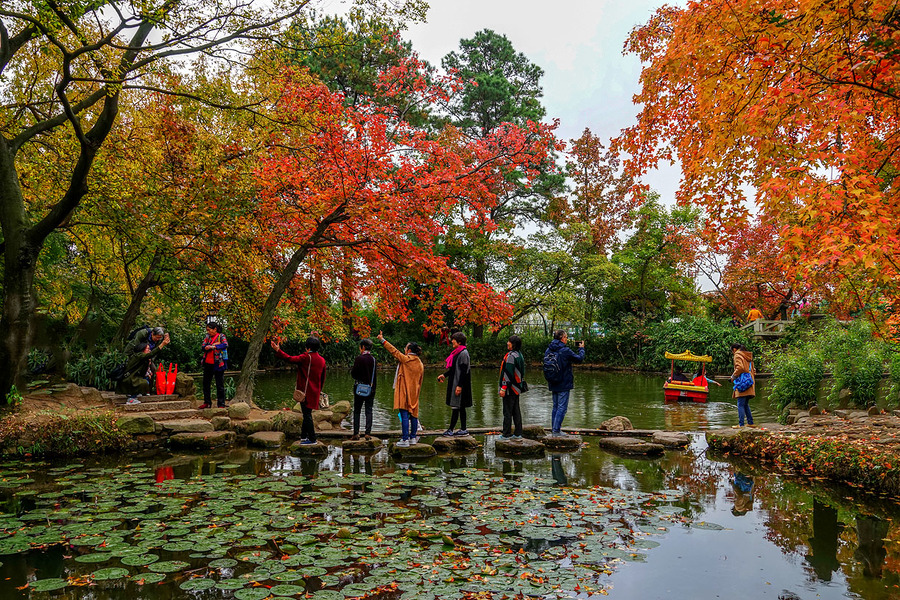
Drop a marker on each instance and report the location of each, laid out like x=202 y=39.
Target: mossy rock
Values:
x=562 y=443
x=617 y=424
x=341 y=408
x=288 y=422
x=221 y=423
x=239 y=410
x=315 y=450
x=522 y=447
x=266 y=439
x=533 y=432
x=209 y=413
x=136 y=424
x=455 y=443
x=412 y=452
x=201 y=441
x=631 y=446
x=670 y=439
x=248 y=427
x=361 y=445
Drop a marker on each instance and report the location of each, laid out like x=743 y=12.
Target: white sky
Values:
x=578 y=43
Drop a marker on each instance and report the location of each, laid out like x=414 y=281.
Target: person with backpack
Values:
x=363 y=374
x=145 y=334
x=744 y=377
x=215 y=349
x=138 y=371
x=558 y=359
x=459 y=383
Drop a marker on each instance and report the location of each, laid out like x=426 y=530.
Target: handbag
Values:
x=523 y=387
x=324 y=401
x=300 y=397
x=744 y=381
x=364 y=390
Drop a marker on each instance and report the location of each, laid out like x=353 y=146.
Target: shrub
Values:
x=894 y=374
x=63 y=435
x=796 y=378
x=94 y=371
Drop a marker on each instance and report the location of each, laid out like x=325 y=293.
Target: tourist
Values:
x=512 y=384
x=742 y=485
x=139 y=372
x=459 y=383
x=144 y=335
x=754 y=314
x=735 y=322
x=743 y=363
x=678 y=375
x=310 y=381
x=558 y=359
x=407 y=387
x=445 y=336
x=215 y=348
x=363 y=373
x=701 y=379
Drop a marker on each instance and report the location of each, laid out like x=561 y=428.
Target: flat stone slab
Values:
x=455 y=443
x=361 y=445
x=266 y=439
x=252 y=425
x=562 y=443
x=519 y=447
x=136 y=424
x=313 y=450
x=415 y=451
x=187 y=426
x=533 y=432
x=172 y=415
x=209 y=413
x=631 y=446
x=671 y=439
x=163 y=405
x=221 y=423
x=201 y=441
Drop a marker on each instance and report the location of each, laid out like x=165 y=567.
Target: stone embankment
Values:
x=854 y=447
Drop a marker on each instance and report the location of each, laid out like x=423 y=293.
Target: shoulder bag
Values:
x=744 y=381
x=300 y=396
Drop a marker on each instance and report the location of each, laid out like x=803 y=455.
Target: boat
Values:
x=695 y=390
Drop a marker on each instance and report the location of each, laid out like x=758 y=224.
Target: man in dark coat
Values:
x=565 y=381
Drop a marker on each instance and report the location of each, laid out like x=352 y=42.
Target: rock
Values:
x=317 y=449
x=896 y=413
x=519 y=447
x=187 y=426
x=202 y=440
x=298 y=407
x=321 y=416
x=266 y=439
x=136 y=424
x=533 y=432
x=562 y=443
x=250 y=426
x=670 y=439
x=814 y=410
x=184 y=385
x=341 y=408
x=361 y=445
x=90 y=394
x=324 y=426
x=631 y=446
x=221 y=423
x=288 y=422
x=455 y=443
x=617 y=424
x=797 y=417
x=411 y=452
x=209 y=413
x=873 y=411
x=842 y=413
x=239 y=410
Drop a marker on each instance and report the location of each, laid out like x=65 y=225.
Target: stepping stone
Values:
x=415 y=451
x=209 y=413
x=172 y=415
x=361 y=445
x=455 y=443
x=533 y=432
x=318 y=449
x=221 y=423
x=631 y=446
x=136 y=424
x=187 y=426
x=671 y=439
x=520 y=447
x=201 y=441
x=252 y=426
x=163 y=405
x=266 y=439
x=562 y=443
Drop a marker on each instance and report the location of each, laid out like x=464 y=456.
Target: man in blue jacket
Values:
x=558 y=359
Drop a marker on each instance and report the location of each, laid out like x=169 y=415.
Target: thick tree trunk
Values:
x=151 y=279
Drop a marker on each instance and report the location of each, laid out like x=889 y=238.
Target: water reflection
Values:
x=823 y=544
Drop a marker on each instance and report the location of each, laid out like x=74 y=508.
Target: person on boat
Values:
x=702 y=380
x=363 y=372
x=679 y=376
x=310 y=379
x=459 y=383
x=407 y=387
x=558 y=360
x=743 y=363
x=512 y=379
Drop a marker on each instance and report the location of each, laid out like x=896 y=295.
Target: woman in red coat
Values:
x=311 y=379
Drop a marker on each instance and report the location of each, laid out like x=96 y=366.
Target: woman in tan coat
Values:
x=407 y=386
x=743 y=363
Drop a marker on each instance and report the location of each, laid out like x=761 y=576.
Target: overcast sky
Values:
x=578 y=43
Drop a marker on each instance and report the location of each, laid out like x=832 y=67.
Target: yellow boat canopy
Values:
x=688 y=355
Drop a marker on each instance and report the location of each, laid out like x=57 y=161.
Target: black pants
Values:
x=358 y=403
x=511 y=414
x=307 y=428
x=461 y=413
x=209 y=371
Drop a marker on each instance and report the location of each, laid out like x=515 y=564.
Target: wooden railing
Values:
x=766 y=328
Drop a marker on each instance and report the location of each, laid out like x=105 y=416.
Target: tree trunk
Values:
x=480 y=277
x=151 y=279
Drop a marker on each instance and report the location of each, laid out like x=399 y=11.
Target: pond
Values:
x=597 y=396
x=252 y=524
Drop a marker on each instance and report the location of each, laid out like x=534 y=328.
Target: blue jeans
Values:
x=407 y=422
x=744 y=409
x=560 y=406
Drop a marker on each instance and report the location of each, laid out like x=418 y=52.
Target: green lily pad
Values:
x=148 y=578
x=169 y=566
x=139 y=560
x=197 y=584
x=48 y=585
x=109 y=574
x=252 y=594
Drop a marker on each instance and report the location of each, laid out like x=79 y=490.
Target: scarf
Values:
x=453 y=354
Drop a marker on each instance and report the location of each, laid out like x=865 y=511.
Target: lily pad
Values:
x=48 y=585
x=109 y=574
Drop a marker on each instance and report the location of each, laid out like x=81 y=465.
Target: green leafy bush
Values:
x=894 y=373
x=796 y=378
x=94 y=371
x=63 y=435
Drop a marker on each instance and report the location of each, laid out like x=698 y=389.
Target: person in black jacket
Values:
x=459 y=383
x=561 y=387
x=363 y=373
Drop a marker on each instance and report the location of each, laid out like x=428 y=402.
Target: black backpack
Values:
x=552 y=371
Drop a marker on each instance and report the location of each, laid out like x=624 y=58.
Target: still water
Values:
x=597 y=396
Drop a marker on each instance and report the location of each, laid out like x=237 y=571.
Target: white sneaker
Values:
x=402 y=444
x=133 y=401
x=413 y=441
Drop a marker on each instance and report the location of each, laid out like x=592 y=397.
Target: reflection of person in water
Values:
x=823 y=544
x=870 y=533
x=556 y=470
x=743 y=494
